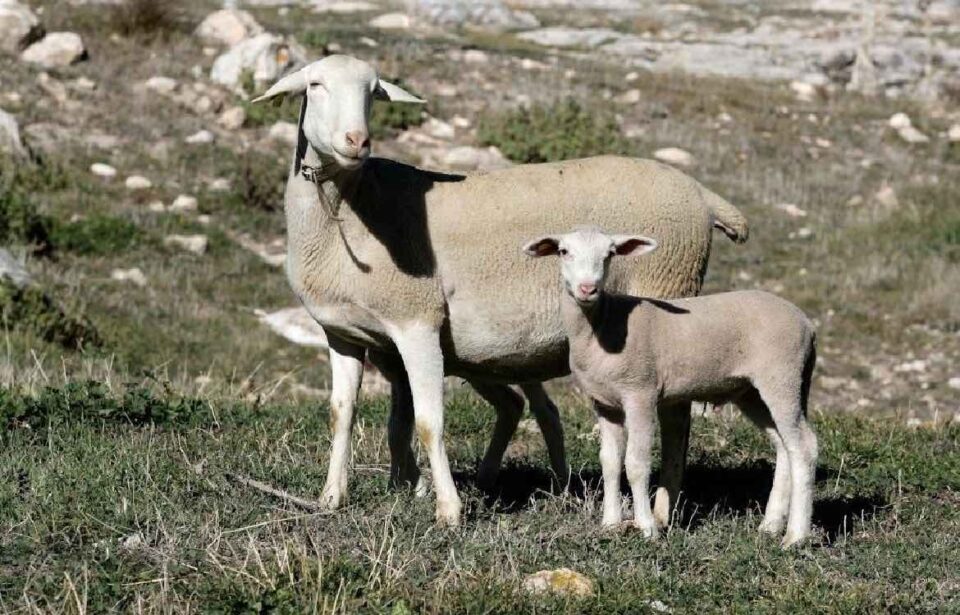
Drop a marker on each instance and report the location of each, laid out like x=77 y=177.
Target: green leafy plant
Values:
x=29 y=308
x=97 y=235
x=560 y=131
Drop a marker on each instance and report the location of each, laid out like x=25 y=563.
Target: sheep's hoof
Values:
x=448 y=513
x=330 y=499
x=649 y=530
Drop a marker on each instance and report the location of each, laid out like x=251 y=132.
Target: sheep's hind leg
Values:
x=404 y=473
x=419 y=346
x=548 y=419
x=778 y=503
x=509 y=407
x=346 y=363
x=674 y=440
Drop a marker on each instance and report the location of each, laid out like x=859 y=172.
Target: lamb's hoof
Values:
x=331 y=499
x=794 y=540
x=422 y=489
x=448 y=513
x=771 y=527
x=649 y=530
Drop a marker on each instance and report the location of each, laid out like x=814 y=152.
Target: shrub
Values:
x=146 y=18
x=96 y=235
x=20 y=223
x=261 y=182
x=30 y=309
x=560 y=131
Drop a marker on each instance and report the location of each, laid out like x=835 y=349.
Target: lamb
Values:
x=631 y=354
x=412 y=268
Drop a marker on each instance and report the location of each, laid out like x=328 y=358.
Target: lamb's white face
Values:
x=585 y=258
x=339 y=93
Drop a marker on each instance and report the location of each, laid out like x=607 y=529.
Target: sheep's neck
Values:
x=335 y=185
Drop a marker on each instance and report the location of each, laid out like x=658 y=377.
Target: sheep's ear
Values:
x=394 y=93
x=635 y=245
x=294 y=83
x=545 y=246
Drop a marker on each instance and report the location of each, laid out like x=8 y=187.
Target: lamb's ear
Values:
x=635 y=245
x=294 y=83
x=545 y=246
x=394 y=93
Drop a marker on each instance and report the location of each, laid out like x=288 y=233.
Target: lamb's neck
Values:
x=581 y=322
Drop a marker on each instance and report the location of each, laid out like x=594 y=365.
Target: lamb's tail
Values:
x=726 y=217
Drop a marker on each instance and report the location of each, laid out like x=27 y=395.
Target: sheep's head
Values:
x=585 y=257
x=339 y=91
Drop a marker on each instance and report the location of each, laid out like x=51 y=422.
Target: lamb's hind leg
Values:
x=509 y=407
x=674 y=440
x=778 y=503
x=346 y=363
x=800 y=444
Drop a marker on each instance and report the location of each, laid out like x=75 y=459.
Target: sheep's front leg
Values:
x=346 y=364
x=638 y=417
x=419 y=346
x=611 y=462
x=674 y=441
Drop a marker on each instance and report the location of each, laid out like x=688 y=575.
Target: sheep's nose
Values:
x=357 y=140
x=588 y=290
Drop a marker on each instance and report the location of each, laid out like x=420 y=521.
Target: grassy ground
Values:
x=126 y=505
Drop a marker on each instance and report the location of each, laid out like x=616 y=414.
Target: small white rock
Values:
x=233 y=118
x=438 y=129
x=953 y=135
x=138 y=182
x=197 y=244
x=184 y=203
x=201 y=137
x=675 y=156
x=133 y=275
x=803 y=91
x=219 y=184
x=55 y=50
x=631 y=77
x=160 y=85
x=887 y=197
x=954 y=383
x=391 y=21
x=476 y=56
x=284 y=132
x=899 y=120
x=103 y=170
x=791 y=210
x=630 y=97
x=912 y=135
x=204 y=219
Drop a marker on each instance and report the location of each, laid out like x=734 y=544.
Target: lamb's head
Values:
x=585 y=257
x=339 y=91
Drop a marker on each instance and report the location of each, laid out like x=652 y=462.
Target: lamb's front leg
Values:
x=346 y=365
x=638 y=416
x=611 y=462
x=674 y=440
x=419 y=346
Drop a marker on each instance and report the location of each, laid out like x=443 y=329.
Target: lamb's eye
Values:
x=316 y=84
x=562 y=251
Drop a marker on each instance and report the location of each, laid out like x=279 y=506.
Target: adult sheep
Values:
x=422 y=269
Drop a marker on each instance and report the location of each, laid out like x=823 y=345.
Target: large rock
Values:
x=55 y=50
x=18 y=26
x=10 y=134
x=489 y=14
x=264 y=57
x=228 y=27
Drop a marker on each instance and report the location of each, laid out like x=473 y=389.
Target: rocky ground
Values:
x=833 y=125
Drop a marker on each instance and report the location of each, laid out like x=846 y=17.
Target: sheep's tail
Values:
x=807 y=376
x=726 y=217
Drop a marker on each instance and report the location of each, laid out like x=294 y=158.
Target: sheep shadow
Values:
x=708 y=491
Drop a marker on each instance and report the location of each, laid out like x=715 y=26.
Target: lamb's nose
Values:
x=357 y=140
x=588 y=290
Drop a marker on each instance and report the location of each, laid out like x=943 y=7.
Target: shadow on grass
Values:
x=709 y=490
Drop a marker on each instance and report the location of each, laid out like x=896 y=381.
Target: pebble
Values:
x=630 y=97
x=887 y=196
x=391 y=21
x=674 y=156
x=184 y=203
x=219 y=184
x=953 y=135
x=954 y=383
x=133 y=275
x=138 y=182
x=157 y=206
x=201 y=137
x=103 y=170
x=803 y=91
x=160 y=85
x=791 y=210
x=562 y=581
x=899 y=120
x=438 y=129
x=233 y=118
x=475 y=56
x=196 y=244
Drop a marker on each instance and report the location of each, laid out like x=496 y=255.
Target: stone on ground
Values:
x=264 y=56
x=18 y=26
x=195 y=244
x=10 y=135
x=562 y=581
x=228 y=27
x=296 y=325
x=133 y=275
x=675 y=156
x=56 y=50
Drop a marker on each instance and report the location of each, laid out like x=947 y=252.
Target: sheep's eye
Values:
x=316 y=84
x=562 y=251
